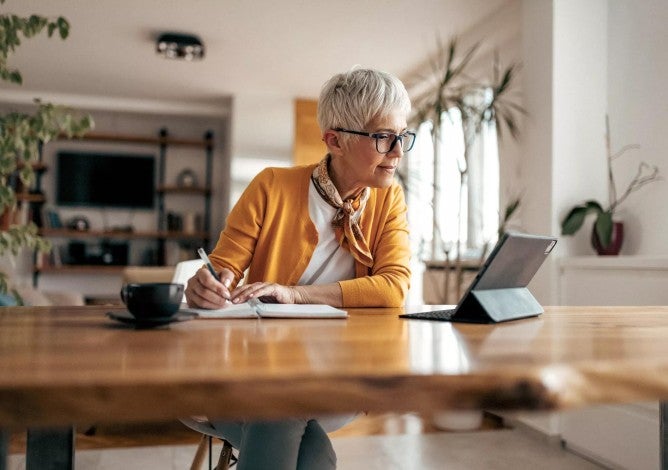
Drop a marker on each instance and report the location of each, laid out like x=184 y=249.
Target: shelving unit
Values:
x=112 y=235
x=83 y=269
x=164 y=191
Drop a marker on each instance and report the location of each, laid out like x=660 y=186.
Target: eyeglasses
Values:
x=385 y=141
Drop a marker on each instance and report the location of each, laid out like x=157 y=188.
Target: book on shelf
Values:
x=51 y=259
x=25 y=213
x=51 y=219
x=56 y=258
x=256 y=309
x=41 y=260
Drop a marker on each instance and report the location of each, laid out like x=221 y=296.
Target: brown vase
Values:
x=6 y=219
x=615 y=241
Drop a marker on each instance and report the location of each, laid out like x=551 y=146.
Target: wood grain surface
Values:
x=70 y=365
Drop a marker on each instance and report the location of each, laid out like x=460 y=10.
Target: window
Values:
x=435 y=227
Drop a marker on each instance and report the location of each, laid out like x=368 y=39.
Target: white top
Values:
x=342 y=264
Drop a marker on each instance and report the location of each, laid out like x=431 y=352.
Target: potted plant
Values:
x=608 y=234
x=480 y=101
x=21 y=136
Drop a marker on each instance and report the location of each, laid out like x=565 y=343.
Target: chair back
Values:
x=184 y=271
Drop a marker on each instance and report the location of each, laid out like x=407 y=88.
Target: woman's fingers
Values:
x=245 y=292
x=204 y=291
x=226 y=278
x=196 y=300
x=279 y=293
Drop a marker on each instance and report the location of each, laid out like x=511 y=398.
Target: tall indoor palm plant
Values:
x=480 y=101
x=453 y=86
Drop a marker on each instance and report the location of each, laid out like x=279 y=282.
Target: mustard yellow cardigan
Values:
x=270 y=232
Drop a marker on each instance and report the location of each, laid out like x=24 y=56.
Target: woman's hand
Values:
x=266 y=291
x=204 y=291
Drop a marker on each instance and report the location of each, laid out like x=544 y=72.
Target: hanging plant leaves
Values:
x=21 y=133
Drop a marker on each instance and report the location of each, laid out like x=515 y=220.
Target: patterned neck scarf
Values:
x=346 y=222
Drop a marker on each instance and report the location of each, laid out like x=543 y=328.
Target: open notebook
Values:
x=257 y=309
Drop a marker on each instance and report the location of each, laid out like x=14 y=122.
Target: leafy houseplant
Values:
x=603 y=225
x=457 y=92
x=480 y=101
x=21 y=136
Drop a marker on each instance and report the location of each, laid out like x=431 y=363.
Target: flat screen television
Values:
x=105 y=180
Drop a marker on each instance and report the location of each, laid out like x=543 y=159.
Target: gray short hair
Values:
x=353 y=99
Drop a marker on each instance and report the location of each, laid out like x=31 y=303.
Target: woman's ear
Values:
x=331 y=139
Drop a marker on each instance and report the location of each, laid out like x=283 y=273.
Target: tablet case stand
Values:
x=497 y=305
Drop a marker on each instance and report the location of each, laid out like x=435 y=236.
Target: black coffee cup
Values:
x=152 y=300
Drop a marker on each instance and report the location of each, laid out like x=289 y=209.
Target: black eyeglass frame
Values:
x=377 y=135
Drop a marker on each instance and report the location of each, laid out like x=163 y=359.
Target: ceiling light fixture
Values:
x=180 y=46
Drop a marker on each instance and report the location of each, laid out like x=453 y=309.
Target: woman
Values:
x=332 y=233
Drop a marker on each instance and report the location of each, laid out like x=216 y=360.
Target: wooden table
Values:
x=69 y=366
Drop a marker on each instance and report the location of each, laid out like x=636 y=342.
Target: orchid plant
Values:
x=603 y=225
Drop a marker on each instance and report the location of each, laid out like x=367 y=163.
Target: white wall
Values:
x=536 y=168
x=565 y=85
x=579 y=108
x=637 y=103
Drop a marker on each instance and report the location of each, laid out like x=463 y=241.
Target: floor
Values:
x=378 y=442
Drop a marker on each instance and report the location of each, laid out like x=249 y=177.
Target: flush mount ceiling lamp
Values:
x=180 y=46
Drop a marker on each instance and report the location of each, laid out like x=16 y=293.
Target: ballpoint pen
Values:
x=205 y=258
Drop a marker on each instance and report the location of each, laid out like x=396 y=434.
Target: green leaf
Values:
x=603 y=227
x=573 y=221
x=34 y=25
x=13 y=28
x=14 y=76
x=575 y=218
x=63 y=27
x=511 y=208
x=594 y=206
x=19 y=299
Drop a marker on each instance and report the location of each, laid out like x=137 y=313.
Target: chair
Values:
x=147 y=274
x=205 y=445
x=184 y=271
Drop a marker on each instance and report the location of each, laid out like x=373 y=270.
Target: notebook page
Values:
x=245 y=310
x=299 y=311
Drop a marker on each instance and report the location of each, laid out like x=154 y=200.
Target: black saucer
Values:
x=126 y=317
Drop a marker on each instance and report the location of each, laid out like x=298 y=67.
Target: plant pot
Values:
x=615 y=241
x=6 y=219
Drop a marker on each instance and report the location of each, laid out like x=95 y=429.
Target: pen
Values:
x=205 y=258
